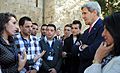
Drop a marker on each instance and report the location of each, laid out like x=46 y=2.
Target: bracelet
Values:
x=95 y=62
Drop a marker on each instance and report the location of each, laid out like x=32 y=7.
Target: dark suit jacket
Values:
x=93 y=40
x=57 y=60
x=72 y=59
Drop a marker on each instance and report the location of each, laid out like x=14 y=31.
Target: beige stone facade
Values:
x=59 y=12
x=23 y=8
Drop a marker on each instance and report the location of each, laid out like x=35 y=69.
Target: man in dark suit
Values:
x=71 y=49
x=92 y=37
x=52 y=59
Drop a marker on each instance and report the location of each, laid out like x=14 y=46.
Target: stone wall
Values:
x=23 y=8
x=49 y=11
x=61 y=12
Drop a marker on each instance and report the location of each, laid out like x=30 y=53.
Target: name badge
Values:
x=50 y=58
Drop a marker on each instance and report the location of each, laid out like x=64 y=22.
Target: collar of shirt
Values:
x=94 y=22
x=30 y=37
x=46 y=40
x=58 y=37
x=50 y=42
x=74 y=39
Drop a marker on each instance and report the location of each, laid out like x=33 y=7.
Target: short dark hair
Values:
x=52 y=25
x=23 y=19
x=77 y=22
x=112 y=24
x=68 y=25
x=43 y=25
x=35 y=24
x=4 y=18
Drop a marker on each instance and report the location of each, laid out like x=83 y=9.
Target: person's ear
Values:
x=95 y=12
x=21 y=27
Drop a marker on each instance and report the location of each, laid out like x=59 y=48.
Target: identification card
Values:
x=50 y=58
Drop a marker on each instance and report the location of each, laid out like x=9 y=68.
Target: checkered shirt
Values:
x=32 y=49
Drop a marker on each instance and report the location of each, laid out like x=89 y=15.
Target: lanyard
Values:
x=26 y=44
x=51 y=50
